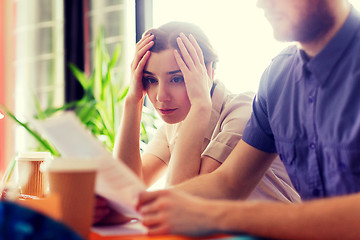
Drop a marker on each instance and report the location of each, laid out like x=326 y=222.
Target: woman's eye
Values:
x=177 y=79
x=148 y=81
x=152 y=80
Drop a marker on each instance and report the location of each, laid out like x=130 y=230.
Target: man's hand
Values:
x=171 y=212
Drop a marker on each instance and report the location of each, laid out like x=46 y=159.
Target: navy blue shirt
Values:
x=308 y=111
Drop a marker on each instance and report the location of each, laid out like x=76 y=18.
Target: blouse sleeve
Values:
x=230 y=127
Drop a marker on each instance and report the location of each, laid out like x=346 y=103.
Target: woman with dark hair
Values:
x=178 y=83
x=174 y=65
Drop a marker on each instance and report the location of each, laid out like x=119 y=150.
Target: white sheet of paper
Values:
x=130 y=228
x=114 y=180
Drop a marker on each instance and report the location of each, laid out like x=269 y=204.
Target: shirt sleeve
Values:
x=233 y=119
x=258 y=132
x=159 y=145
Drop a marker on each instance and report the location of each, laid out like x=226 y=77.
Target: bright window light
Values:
x=238 y=31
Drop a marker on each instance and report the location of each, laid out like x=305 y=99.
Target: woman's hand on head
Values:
x=192 y=65
x=142 y=54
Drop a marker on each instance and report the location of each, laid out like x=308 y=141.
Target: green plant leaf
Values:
x=40 y=114
x=98 y=81
x=51 y=111
x=115 y=57
x=8 y=172
x=85 y=110
x=32 y=132
x=101 y=108
x=111 y=108
x=144 y=135
x=123 y=94
x=80 y=76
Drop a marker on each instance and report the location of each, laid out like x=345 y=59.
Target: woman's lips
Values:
x=166 y=111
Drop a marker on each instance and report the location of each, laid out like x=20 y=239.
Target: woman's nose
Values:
x=163 y=93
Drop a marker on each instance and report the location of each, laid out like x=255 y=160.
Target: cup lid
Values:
x=33 y=156
x=69 y=164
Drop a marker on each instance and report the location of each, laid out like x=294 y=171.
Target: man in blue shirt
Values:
x=307 y=110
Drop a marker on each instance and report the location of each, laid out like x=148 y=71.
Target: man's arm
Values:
x=332 y=218
x=235 y=178
x=174 y=212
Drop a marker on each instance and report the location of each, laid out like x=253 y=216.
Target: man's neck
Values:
x=313 y=47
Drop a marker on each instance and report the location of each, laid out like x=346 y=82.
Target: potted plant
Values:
x=98 y=109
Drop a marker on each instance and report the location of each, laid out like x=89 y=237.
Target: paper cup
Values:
x=31 y=180
x=73 y=180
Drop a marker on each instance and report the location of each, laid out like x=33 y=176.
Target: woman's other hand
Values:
x=191 y=63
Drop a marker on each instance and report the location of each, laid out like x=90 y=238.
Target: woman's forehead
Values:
x=162 y=62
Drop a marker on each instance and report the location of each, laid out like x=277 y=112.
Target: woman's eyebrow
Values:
x=173 y=72
x=147 y=72
x=169 y=73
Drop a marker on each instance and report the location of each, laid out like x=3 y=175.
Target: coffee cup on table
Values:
x=73 y=181
x=31 y=180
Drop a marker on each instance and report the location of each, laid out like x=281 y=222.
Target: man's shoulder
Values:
x=279 y=70
x=283 y=62
x=287 y=52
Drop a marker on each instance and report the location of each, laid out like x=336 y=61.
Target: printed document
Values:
x=114 y=180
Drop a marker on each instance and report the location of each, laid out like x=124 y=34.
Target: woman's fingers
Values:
x=188 y=51
x=197 y=48
x=185 y=54
x=142 y=47
x=180 y=61
x=143 y=41
x=141 y=57
x=142 y=62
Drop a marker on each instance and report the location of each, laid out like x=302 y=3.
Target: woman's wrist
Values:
x=200 y=105
x=202 y=109
x=133 y=101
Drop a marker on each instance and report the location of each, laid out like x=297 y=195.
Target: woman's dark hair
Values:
x=165 y=38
